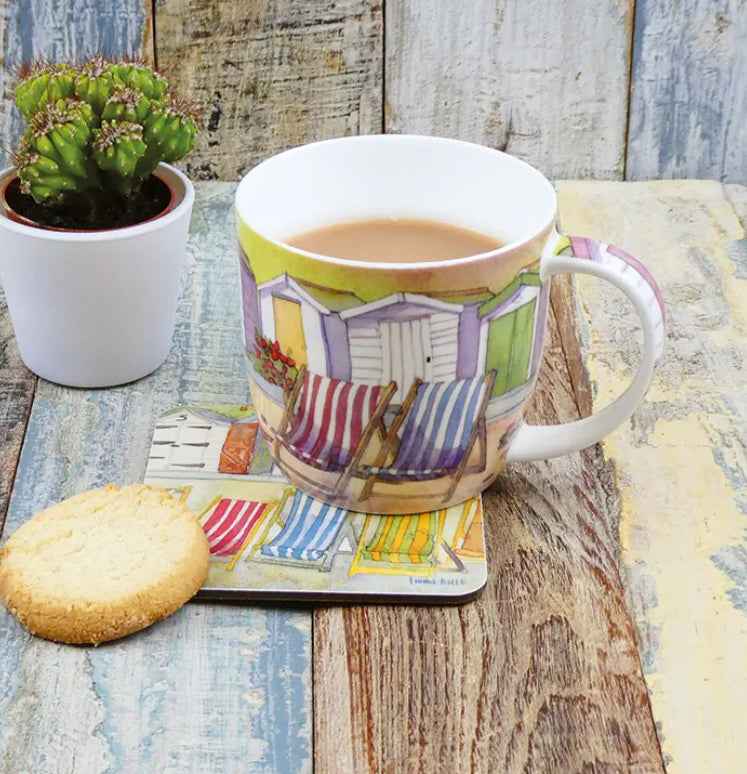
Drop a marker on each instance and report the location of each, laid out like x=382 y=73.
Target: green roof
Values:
x=334 y=300
x=525 y=278
x=478 y=296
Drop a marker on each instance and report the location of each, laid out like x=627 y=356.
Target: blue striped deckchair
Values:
x=437 y=428
x=310 y=535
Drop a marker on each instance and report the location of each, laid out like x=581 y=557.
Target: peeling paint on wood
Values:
x=213 y=689
x=539 y=674
x=547 y=82
x=688 y=98
x=272 y=74
x=64 y=30
x=680 y=460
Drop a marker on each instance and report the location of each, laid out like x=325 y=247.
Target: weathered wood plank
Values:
x=565 y=302
x=63 y=31
x=680 y=461
x=688 y=100
x=540 y=674
x=547 y=82
x=215 y=688
x=17 y=386
x=272 y=74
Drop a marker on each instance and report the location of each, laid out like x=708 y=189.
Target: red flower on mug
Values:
x=275 y=366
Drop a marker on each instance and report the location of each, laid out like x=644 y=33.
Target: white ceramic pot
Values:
x=96 y=309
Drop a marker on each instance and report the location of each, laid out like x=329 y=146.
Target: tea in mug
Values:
x=394 y=240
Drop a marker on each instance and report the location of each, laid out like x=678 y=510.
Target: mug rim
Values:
x=546 y=222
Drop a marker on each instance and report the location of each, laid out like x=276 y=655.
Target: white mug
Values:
x=394 y=387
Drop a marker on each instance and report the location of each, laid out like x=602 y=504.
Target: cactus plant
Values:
x=95 y=132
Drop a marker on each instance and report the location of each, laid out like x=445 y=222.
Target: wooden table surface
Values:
x=610 y=636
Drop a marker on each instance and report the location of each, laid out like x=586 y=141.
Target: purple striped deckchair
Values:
x=436 y=429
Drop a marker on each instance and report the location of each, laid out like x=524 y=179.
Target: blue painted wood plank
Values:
x=215 y=688
x=64 y=30
x=688 y=98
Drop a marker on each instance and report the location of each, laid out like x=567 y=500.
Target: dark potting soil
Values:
x=95 y=211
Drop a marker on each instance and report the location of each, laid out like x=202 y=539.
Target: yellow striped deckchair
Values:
x=400 y=545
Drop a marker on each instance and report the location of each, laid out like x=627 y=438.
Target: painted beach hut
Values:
x=402 y=336
x=201 y=442
x=511 y=328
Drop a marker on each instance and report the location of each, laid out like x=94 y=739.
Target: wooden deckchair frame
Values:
x=375 y=424
x=391 y=443
x=325 y=565
x=361 y=565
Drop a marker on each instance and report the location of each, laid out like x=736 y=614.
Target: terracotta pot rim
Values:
x=9 y=218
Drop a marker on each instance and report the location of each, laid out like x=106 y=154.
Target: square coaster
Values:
x=270 y=540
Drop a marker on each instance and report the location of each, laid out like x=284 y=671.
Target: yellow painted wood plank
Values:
x=680 y=461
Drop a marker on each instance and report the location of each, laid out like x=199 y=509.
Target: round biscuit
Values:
x=103 y=564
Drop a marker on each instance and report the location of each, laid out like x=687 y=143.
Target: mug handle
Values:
x=588 y=256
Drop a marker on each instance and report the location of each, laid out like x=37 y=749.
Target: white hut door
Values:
x=407 y=355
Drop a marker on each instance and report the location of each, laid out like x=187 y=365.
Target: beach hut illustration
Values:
x=402 y=336
x=201 y=441
x=311 y=533
x=469 y=540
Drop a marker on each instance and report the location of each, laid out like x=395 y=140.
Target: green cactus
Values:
x=96 y=131
x=41 y=83
x=117 y=148
x=94 y=83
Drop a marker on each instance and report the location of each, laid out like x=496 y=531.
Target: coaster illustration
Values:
x=269 y=540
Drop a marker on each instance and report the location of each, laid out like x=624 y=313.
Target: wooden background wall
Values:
x=610 y=89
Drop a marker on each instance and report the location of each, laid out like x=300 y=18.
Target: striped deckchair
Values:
x=328 y=423
x=410 y=539
x=469 y=540
x=400 y=545
x=310 y=534
x=229 y=526
x=434 y=434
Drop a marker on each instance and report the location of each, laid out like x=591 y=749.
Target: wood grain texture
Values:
x=271 y=74
x=17 y=386
x=680 y=461
x=540 y=674
x=547 y=82
x=213 y=689
x=688 y=99
x=64 y=30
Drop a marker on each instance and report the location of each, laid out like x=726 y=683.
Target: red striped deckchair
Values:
x=229 y=524
x=328 y=422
